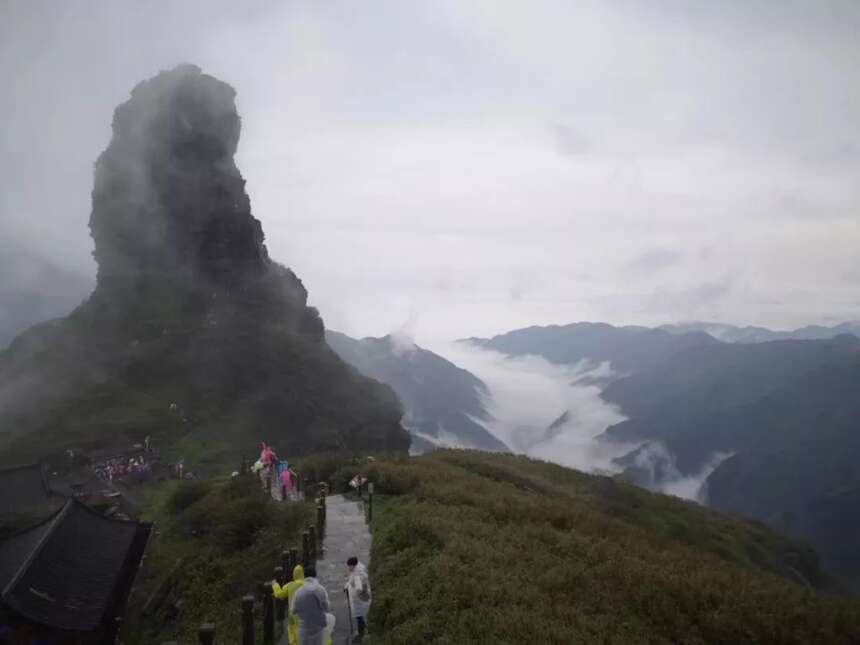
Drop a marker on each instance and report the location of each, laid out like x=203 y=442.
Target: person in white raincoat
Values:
x=311 y=606
x=358 y=590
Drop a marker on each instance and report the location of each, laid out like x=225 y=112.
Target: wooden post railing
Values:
x=306 y=549
x=248 y=621
x=312 y=539
x=285 y=565
x=206 y=634
x=268 y=615
x=294 y=560
x=280 y=605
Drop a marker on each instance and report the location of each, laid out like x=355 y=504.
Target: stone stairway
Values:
x=346 y=535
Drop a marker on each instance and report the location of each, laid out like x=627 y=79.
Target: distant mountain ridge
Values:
x=443 y=402
x=750 y=334
x=703 y=380
x=628 y=349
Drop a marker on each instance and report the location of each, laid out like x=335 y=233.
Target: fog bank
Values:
x=547 y=411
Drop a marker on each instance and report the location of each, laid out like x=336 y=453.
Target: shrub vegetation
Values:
x=213 y=543
x=475 y=547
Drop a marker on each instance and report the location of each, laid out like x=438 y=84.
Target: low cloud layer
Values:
x=657 y=471
x=528 y=395
x=693 y=486
x=555 y=413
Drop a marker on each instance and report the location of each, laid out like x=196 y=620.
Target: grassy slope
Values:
x=229 y=536
x=479 y=548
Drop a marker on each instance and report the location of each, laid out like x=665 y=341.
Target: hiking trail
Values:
x=346 y=535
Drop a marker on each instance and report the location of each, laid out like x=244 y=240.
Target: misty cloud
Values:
x=33 y=289
x=694 y=487
x=570 y=141
x=656 y=469
x=653 y=261
x=528 y=395
x=409 y=157
x=403 y=337
x=701 y=301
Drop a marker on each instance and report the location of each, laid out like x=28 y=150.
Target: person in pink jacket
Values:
x=286 y=483
x=268 y=456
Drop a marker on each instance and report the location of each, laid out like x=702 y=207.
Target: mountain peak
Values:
x=188 y=310
x=168 y=200
x=171 y=219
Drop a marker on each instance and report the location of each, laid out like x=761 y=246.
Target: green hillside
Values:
x=473 y=547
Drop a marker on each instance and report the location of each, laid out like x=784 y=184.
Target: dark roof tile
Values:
x=74 y=571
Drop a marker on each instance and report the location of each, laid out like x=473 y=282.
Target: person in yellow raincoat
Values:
x=286 y=593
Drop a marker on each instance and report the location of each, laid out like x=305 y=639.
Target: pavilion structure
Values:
x=67 y=579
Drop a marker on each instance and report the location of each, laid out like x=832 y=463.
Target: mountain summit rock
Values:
x=193 y=334
x=170 y=211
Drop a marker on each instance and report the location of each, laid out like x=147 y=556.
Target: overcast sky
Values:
x=474 y=166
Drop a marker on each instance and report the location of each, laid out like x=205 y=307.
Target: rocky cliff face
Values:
x=170 y=212
x=192 y=333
